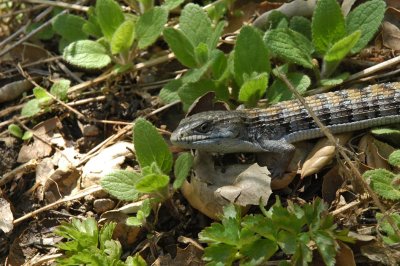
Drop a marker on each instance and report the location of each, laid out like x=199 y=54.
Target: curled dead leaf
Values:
x=321 y=155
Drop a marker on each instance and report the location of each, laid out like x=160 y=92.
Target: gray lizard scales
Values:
x=275 y=128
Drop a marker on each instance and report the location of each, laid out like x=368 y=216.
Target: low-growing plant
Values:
x=296 y=41
x=254 y=239
x=16 y=131
x=44 y=99
x=119 y=36
x=156 y=162
x=87 y=245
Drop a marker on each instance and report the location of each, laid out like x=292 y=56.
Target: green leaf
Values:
x=41 y=95
x=278 y=91
x=201 y=54
x=250 y=54
x=390 y=236
x=181 y=46
x=113 y=249
x=216 y=34
x=337 y=52
x=47 y=33
x=150 y=146
x=334 y=81
x=91 y=26
x=121 y=184
x=15 y=130
x=301 y=25
x=70 y=27
x=327 y=246
x=31 y=108
x=221 y=254
x=260 y=250
x=381 y=181
x=152 y=183
x=109 y=16
x=290 y=45
x=172 y=4
x=123 y=37
x=328 y=25
x=182 y=168
x=60 y=89
x=394 y=158
x=189 y=92
x=87 y=54
x=342 y=47
x=169 y=93
x=366 y=17
x=150 y=25
x=253 y=89
x=195 y=24
x=220 y=67
x=106 y=233
x=27 y=135
x=136 y=260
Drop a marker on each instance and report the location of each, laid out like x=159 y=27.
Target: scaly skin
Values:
x=274 y=129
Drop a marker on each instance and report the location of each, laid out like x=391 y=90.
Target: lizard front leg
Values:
x=280 y=155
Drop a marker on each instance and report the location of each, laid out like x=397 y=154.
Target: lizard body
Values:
x=275 y=128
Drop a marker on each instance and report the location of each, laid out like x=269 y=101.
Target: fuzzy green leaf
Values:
x=121 y=184
x=60 y=89
x=381 y=181
x=278 y=91
x=31 y=108
x=290 y=45
x=150 y=25
x=41 y=95
x=87 y=54
x=216 y=34
x=150 y=146
x=390 y=236
x=169 y=93
x=91 y=26
x=250 y=54
x=334 y=81
x=394 y=158
x=301 y=25
x=328 y=25
x=221 y=254
x=253 y=89
x=109 y=16
x=70 y=27
x=152 y=183
x=195 y=24
x=366 y=17
x=337 y=52
x=15 y=130
x=172 y=4
x=123 y=37
x=181 y=46
x=182 y=168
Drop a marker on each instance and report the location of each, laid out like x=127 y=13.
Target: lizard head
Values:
x=214 y=131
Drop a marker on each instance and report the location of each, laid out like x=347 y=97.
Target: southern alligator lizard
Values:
x=275 y=128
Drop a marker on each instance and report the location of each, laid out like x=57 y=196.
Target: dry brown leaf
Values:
x=371 y=150
x=190 y=255
x=390 y=35
x=6 y=216
x=108 y=160
x=381 y=254
x=345 y=256
x=321 y=155
x=332 y=181
x=13 y=90
x=37 y=148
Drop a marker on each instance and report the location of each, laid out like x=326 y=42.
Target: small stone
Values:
x=103 y=205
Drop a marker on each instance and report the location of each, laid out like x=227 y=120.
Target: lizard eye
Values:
x=204 y=127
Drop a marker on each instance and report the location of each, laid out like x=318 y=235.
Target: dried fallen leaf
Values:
x=37 y=148
x=13 y=90
x=345 y=256
x=391 y=35
x=332 y=181
x=374 y=152
x=321 y=155
x=6 y=216
x=381 y=254
x=106 y=161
